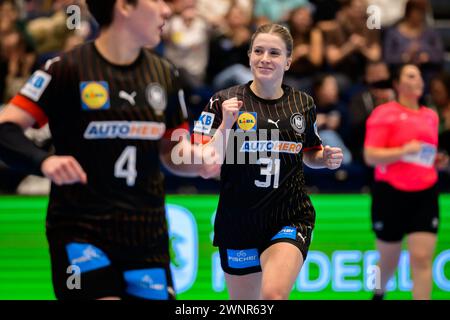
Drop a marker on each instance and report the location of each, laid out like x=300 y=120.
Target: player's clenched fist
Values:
x=63 y=170
x=332 y=157
x=230 y=111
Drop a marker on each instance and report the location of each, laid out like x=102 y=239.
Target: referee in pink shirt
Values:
x=401 y=143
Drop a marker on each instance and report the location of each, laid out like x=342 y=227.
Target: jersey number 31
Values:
x=269 y=168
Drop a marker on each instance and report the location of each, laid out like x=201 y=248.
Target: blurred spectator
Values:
x=440 y=101
x=332 y=116
x=228 y=62
x=186 y=42
x=307 y=55
x=352 y=44
x=19 y=63
x=412 y=41
x=215 y=11
x=10 y=20
x=391 y=11
x=17 y=57
x=325 y=10
x=378 y=91
x=439 y=98
x=267 y=11
x=51 y=33
x=37 y=9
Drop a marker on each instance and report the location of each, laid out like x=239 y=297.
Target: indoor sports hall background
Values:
x=339 y=264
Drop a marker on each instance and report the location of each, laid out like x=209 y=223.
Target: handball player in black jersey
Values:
x=264 y=217
x=111 y=106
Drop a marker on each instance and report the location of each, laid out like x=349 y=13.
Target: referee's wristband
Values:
x=19 y=152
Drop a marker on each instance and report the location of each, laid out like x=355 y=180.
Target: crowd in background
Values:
x=341 y=57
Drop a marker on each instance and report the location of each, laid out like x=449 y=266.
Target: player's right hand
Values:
x=63 y=170
x=230 y=111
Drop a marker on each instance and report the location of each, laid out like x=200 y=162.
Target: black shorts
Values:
x=396 y=213
x=242 y=261
x=85 y=269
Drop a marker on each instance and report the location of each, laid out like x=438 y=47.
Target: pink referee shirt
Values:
x=393 y=125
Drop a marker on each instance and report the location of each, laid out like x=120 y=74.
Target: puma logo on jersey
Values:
x=301 y=237
x=129 y=97
x=274 y=122
x=211 y=102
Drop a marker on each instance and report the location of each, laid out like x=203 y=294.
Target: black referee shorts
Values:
x=85 y=269
x=397 y=213
x=242 y=261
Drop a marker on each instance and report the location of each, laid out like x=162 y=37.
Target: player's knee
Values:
x=110 y=298
x=274 y=293
x=420 y=260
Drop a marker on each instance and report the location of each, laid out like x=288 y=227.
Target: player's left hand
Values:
x=332 y=157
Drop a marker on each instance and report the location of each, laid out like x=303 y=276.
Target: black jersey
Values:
x=111 y=119
x=262 y=181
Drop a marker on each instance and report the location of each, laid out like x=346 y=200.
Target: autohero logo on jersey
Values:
x=204 y=123
x=94 y=95
x=272 y=146
x=36 y=85
x=141 y=130
x=246 y=121
x=239 y=259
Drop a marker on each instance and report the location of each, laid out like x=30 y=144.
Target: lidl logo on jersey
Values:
x=36 y=85
x=140 y=130
x=204 y=123
x=247 y=121
x=94 y=95
x=272 y=146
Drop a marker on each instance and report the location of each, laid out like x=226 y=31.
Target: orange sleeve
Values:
x=184 y=125
x=32 y=108
x=200 y=138
x=319 y=147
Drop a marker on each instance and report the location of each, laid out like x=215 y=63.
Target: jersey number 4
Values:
x=125 y=166
x=269 y=168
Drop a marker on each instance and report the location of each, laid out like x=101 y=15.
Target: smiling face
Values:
x=301 y=19
x=269 y=58
x=146 y=20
